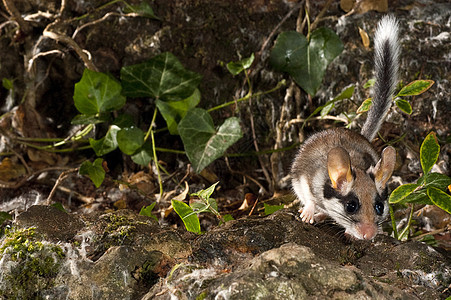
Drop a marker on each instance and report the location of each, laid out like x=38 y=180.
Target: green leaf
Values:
x=58 y=206
x=306 y=61
x=270 y=209
x=130 y=139
x=236 y=67
x=147 y=211
x=174 y=111
x=440 y=198
x=369 y=83
x=227 y=217
x=106 y=144
x=404 y=106
x=203 y=143
x=123 y=121
x=144 y=155
x=365 y=106
x=440 y=181
x=415 y=88
x=429 y=152
x=97 y=93
x=188 y=216
x=401 y=192
x=205 y=194
x=94 y=171
x=162 y=77
x=346 y=93
x=7 y=84
x=143 y=9
x=90 y=119
x=4 y=216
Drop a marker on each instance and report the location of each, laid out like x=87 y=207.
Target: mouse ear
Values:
x=339 y=168
x=384 y=167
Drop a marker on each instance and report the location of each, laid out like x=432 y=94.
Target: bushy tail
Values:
x=386 y=58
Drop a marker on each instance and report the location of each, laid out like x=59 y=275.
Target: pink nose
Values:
x=368 y=231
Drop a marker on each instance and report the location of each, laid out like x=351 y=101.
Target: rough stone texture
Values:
x=122 y=255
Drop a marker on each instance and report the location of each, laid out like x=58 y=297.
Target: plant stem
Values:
x=155 y=158
x=406 y=229
x=393 y=222
x=248 y=96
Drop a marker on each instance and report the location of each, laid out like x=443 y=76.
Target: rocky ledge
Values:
x=49 y=254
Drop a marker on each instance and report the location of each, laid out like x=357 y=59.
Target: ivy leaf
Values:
x=7 y=84
x=93 y=170
x=415 y=88
x=236 y=67
x=404 y=106
x=203 y=143
x=144 y=155
x=440 y=198
x=162 y=77
x=306 y=61
x=188 y=216
x=401 y=192
x=365 y=106
x=429 y=152
x=130 y=139
x=107 y=143
x=97 y=93
x=174 y=111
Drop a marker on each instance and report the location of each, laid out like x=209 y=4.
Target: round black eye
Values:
x=352 y=206
x=379 y=207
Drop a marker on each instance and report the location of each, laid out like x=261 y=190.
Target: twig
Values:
x=82 y=198
x=83 y=54
x=12 y=10
x=253 y=207
x=60 y=179
x=320 y=15
x=300 y=120
x=101 y=20
x=246 y=176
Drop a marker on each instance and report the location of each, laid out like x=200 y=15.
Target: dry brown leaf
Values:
x=347 y=5
x=365 y=38
x=10 y=170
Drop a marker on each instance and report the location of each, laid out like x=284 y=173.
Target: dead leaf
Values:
x=10 y=169
x=365 y=38
x=347 y=5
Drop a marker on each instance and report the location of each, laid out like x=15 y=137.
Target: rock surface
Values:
x=122 y=255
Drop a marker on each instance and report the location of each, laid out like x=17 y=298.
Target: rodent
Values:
x=337 y=172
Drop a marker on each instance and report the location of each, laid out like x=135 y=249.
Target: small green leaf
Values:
x=326 y=109
x=174 y=111
x=143 y=9
x=107 y=143
x=404 y=106
x=270 y=209
x=429 y=152
x=369 y=83
x=440 y=198
x=203 y=143
x=7 y=84
x=4 y=216
x=415 y=88
x=97 y=93
x=188 y=216
x=130 y=139
x=58 y=206
x=346 y=93
x=440 y=181
x=162 y=77
x=205 y=194
x=94 y=171
x=144 y=155
x=237 y=67
x=227 y=218
x=147 y=211
x=401 y=192
x=365 y=106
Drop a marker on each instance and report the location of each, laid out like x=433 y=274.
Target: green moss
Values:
x=32 y=267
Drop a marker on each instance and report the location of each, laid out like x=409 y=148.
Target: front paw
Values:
x=308 y=213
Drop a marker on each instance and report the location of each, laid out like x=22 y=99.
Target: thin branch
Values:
x=60 y=179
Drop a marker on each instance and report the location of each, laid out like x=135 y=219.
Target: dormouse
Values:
x=337 y=172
